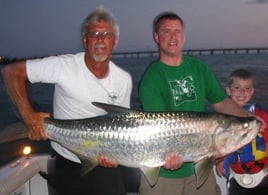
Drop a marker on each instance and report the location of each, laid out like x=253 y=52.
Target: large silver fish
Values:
x=144 y=139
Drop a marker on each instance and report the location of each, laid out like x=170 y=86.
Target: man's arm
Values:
x=228 y=106
x=15 y=78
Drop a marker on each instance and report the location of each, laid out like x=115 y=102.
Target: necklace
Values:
x=105 y=83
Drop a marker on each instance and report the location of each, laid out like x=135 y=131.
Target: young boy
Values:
x=247 y=169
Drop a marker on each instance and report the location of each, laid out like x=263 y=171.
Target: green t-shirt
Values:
x=186 y=87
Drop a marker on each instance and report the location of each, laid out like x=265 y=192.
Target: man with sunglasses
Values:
x=79 y=79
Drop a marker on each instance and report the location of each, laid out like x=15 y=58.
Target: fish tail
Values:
x=13 y=132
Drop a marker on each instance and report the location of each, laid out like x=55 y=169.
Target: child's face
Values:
x=241 y=90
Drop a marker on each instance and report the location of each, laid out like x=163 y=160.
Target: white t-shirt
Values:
x=76 y=87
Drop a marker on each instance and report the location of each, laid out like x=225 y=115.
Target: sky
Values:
x=37 y=28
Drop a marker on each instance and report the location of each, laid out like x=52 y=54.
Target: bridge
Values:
x=196 y=52
x=257 y=50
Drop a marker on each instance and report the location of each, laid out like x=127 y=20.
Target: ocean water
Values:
x=221 y=65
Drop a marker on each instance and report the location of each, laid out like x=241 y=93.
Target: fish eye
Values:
x=246 y=125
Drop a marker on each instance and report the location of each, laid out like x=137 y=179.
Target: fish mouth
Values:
x=231 y=140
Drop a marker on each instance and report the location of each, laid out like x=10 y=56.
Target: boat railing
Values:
x=16 y=174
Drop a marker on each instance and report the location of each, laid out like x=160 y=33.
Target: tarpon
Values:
x=144 y=139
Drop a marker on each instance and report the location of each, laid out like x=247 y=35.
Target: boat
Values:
x=32 y=174
x=28 y=175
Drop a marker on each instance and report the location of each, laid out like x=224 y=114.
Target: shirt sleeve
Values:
x=214 y=91
x=45 y=70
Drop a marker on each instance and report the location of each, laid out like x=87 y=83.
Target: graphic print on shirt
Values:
x=113 y=98
x=183 y=90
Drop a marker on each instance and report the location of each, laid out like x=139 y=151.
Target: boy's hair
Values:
x=100 y=14
x=240 y=73
x=163 y=16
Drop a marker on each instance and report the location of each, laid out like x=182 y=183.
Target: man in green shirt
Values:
x=180 y=83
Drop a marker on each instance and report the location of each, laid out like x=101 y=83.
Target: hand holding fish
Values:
x=35 y=125
x=106 y=162
x=173 y=161
x=263 y=124
x=219 y=167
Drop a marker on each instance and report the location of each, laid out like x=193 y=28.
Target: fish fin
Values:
x=151 y=174
x=203 y=169
x=111 y=108
x=87 y=166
